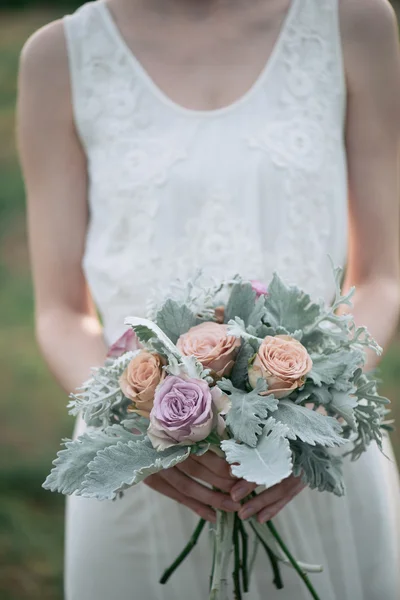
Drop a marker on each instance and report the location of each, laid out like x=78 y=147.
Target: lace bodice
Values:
x=251 y=188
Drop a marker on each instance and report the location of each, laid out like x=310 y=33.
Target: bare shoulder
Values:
x=370 y=38
x=44 y=60
x=369 y=25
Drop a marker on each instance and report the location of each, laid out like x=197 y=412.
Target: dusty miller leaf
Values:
x=72 y=464
x=267 y=464
x=175 y=319
x=248 y=411
x=318 y=468
x=289 y=307
x=101 y=396
x=336 y=369
x=239 y=374
x=343 y=403
x=125 y=464
x=241 y=302
x=257 y=314
x=308 y=425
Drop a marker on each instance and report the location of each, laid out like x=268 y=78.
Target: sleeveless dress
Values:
x=257 y=186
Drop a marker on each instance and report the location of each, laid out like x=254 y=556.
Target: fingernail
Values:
x=247 y=512
x=264 y=517
x=230 y=505
x=240 y=492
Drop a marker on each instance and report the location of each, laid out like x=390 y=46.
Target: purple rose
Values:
x=259 y=288
x=128 y=342
x=183 y=412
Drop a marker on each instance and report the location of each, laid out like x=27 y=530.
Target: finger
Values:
x=268 y=497
x=198 y=471
x=271 y=511
x=216 y=464
x=189 y=487
x=160 y=485
x=241 y=489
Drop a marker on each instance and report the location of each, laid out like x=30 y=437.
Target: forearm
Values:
x=71 y=344
x=376 y=306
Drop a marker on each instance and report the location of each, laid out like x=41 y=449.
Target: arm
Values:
x=68 y=331
x=372 y=62
x=54 y=168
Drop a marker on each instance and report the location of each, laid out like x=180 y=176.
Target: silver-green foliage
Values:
x=124 y=464
x=100 y=398
x=268 y=463
x=72 y=464
x=318 y=467
x=308 y=425
x=248 y=412
x=174 y=319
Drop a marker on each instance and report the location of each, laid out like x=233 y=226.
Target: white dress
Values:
x=254 y=187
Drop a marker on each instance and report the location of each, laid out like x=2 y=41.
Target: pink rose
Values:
x=185 y=411
x=212 y=346
x=259 y=288
x=139 y=381
x=283 y=362
x=128 y=342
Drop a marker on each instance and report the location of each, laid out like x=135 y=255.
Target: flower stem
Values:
x=274 y=561
x=223 y=548
x=187 y=549
x=292 y=560
x=237 y=562
x=244 y=565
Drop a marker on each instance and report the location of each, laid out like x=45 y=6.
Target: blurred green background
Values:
x=33 y=415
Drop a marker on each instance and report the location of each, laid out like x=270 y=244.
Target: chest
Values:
x=204 y=57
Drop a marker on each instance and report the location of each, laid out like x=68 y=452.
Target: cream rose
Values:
x=283 y=362
x=139 y=380
x=210 y=343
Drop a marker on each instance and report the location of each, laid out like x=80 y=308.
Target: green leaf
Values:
x=289 y=307
x=318 y=468
x=241 y=302
x=125 y=464
x=313 y=393
x=72 y=464
x=239 y=374
x=308 y=425
x=336 y=368
x=267 y=464
x=343 y=403
x=175 y=319
x=201 y=448
x=248 y=411
x=257 y=314
x=144 y=333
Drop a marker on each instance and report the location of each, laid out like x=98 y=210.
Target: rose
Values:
x=139 y=380
x=211 y=344
x=128 y=342
x=283 y=362
x=185 y=411
x=259 y=288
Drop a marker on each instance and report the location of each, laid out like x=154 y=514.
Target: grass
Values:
x=33 y=415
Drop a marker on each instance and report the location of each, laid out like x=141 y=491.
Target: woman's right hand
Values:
x=179 y=483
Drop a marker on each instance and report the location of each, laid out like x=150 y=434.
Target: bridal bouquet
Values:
x=267 y=378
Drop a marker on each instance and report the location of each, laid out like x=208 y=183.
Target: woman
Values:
x=162 y=136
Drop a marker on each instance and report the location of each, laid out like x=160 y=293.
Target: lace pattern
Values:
x=252 y=190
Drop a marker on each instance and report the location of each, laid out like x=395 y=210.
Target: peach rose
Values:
x=212 y=346
x=283 y=362
x=139 y=380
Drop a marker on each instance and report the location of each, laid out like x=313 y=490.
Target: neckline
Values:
x=156 y=90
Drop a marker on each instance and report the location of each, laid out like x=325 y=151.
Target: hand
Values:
x=269 y=503
x=178 y=483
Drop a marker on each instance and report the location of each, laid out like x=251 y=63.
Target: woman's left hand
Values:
x=269 y=503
